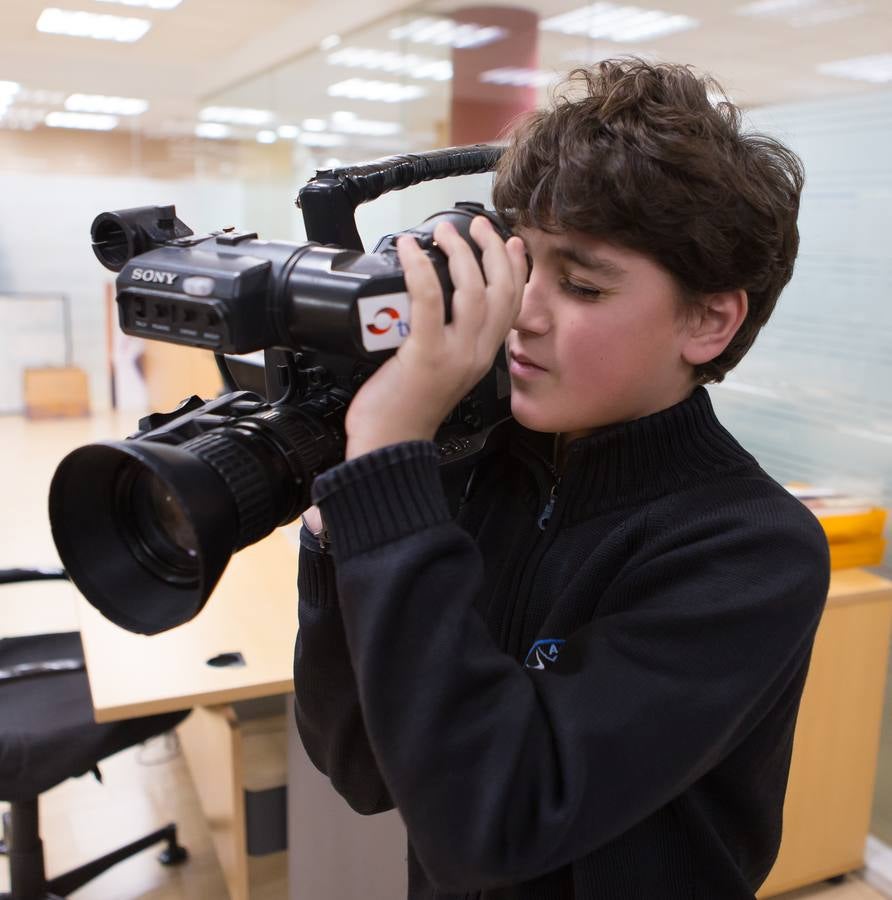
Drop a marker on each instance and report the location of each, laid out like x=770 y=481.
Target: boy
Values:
x=586 y=687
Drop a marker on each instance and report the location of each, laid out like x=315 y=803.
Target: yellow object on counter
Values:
x=851 y=554
x=854 y=525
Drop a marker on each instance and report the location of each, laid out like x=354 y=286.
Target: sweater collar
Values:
x=632 y=462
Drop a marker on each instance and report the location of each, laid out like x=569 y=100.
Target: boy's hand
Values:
x=408 y=397
x=312 y=519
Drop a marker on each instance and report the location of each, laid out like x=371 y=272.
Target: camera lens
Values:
x=161 y=518
x=154 y=524
x=146 y=528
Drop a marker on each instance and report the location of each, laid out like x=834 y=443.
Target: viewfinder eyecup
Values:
x=120 y=235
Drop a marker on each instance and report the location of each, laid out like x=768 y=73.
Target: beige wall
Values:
x=53 y=182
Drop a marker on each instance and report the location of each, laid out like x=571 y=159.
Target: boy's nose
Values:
x=534 y=316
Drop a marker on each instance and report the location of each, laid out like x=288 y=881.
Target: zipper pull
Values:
x=549 y=508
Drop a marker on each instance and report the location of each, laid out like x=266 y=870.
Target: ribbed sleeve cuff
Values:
x=381 y=496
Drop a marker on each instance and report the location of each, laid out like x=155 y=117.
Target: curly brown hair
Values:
x=654 y=158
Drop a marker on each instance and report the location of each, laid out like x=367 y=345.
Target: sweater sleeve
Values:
x=504 y=773
x=326 y=703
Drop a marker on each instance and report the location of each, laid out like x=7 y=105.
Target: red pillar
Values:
x=480 y=111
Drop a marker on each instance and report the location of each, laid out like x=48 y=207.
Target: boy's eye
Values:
x=580 y=290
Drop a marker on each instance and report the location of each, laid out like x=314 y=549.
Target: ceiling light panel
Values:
x=8 y=89
x=408 y=64
x=322 y=139
x=266 y=136
x=39 y=95
x=803 y=13
x=612 y=22
x=148 y=4
x=213 y=130
x=828 y=14
x=21 y=117
x=236 y=115
x=87 y=121
x=446 y=32
x=777 y=7
x=99 y=103
x=876 y=69
x=518 y=77
x=383 y=91
x=92 y=25
x=349 y=123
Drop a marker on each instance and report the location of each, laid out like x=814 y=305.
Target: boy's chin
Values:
x=549 y=421
x=534 y=419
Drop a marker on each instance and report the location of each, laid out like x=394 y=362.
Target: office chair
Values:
x=47 y=734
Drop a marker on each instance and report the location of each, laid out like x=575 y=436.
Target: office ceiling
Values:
x=267 y=54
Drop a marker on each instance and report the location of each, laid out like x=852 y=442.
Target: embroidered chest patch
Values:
x=543 y=653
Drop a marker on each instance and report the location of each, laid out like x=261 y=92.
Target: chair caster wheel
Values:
x=173 y=855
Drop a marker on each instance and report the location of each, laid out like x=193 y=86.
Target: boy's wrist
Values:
x=314 y=524
x=364 y=441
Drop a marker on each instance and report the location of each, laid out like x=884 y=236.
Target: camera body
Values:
x=334 y=314
x=158 y=516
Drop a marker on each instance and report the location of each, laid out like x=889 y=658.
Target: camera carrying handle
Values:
x=328 y=201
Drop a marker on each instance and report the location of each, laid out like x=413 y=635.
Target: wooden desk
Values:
x=833 y=770
x=253 y=611
x=236 y=750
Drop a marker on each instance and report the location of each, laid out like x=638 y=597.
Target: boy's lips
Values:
x=521 y=364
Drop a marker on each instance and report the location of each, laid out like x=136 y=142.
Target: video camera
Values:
x=146 y=526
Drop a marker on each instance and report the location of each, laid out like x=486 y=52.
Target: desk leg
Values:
x=333 y=852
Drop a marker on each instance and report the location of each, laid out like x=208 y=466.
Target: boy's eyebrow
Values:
x=597 y=263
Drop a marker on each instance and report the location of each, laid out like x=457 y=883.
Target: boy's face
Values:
x=599 y=338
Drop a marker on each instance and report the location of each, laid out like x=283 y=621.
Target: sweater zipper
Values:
x=534 y=557
x=545 y=515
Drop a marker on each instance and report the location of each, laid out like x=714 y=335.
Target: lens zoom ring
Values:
x=245 y=478
x=294 y=432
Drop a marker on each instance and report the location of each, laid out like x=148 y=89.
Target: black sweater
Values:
x=587 y=698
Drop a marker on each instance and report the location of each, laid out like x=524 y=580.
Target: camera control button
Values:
x=198 y=286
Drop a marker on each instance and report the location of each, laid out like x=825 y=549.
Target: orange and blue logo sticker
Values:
x=384 y=320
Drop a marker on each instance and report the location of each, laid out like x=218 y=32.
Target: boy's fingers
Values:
x=503 y=295
x=496 y=262
x=517 y=254
x=425 y=293
x=466 y=277
x=520 y=266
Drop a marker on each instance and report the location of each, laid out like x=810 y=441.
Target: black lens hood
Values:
x=96 y=547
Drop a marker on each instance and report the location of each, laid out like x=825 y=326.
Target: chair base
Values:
x=24 y=848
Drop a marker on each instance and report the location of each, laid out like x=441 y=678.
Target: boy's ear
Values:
x=711 y=326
